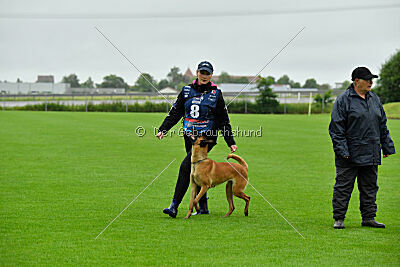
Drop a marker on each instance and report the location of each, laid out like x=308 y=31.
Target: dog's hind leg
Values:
x=229 y=197
x=246 y=198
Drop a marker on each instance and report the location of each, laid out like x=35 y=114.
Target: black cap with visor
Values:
x=362 y=73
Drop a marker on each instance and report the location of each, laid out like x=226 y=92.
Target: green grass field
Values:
x=392 y=110
x=65 y=176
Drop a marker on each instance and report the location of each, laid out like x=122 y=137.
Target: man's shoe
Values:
x=372 y=223
x=172 y=211
x=339 y=224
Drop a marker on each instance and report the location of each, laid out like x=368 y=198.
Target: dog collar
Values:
x=194 y=163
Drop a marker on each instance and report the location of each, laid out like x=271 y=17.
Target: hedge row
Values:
x=234 y=107
x=104 y=107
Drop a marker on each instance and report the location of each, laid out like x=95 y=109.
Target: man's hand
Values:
x=233 y=148
x=160 y=135
x=387 y=155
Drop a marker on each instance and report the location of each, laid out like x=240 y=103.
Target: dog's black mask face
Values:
x=202 y=143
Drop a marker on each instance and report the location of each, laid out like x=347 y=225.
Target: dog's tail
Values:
x=238 y=159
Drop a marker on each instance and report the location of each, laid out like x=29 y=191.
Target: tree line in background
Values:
x=175 y=79
x=387 y=86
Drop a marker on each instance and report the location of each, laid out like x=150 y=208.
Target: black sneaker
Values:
x=372 y=223
x=203 y=206
x=201 y=212
x=339 y=224
x=172 y=211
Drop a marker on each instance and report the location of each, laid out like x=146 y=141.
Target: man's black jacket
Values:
x=221 y=114
x=358 y=130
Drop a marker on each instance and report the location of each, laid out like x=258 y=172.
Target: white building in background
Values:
x=45 y=85
x=248 y=88
x=168 y=90
x=94 y=91
x=52 y=88
x=237 y=87
x=280 y=87
x=33 y=88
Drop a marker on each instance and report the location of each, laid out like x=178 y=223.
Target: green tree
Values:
x=113 y=81
x=88 y=83
x=145 y=83
x=175 y=77
x=240 y=80
x=286 y=80
x=271 y=78
x=295 y=84
x=266 y=100
x=283 y=80
x=310 y=83
x=187 y=79
x=163 y=83
x=324 y=86
x=388 y=85
x=327 y=98
x=72 y=79
x=345 y=85
x=224 y=77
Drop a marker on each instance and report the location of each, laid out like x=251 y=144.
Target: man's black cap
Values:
x=205 y=65
x=362 y=73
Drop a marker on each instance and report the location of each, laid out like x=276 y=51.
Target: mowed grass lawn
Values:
x=65 y=176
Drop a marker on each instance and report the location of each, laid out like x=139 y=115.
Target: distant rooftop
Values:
x=188 y=73
x=45 y=79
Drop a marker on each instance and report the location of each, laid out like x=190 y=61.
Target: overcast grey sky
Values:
x=240 y=37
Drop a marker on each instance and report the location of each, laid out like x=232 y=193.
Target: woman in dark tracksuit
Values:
x=204 y=111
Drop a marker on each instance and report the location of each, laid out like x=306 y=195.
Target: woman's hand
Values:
x=233 y=148
x=160 y=135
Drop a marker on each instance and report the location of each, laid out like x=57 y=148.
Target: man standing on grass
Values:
x=359 y=133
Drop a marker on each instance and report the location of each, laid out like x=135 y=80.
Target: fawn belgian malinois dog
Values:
x=207 y=173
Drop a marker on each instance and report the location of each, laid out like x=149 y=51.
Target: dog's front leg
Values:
x=196 y=205
x=193 y=188
x=203 y=190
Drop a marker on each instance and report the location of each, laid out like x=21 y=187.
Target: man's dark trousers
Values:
x=367 y=185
